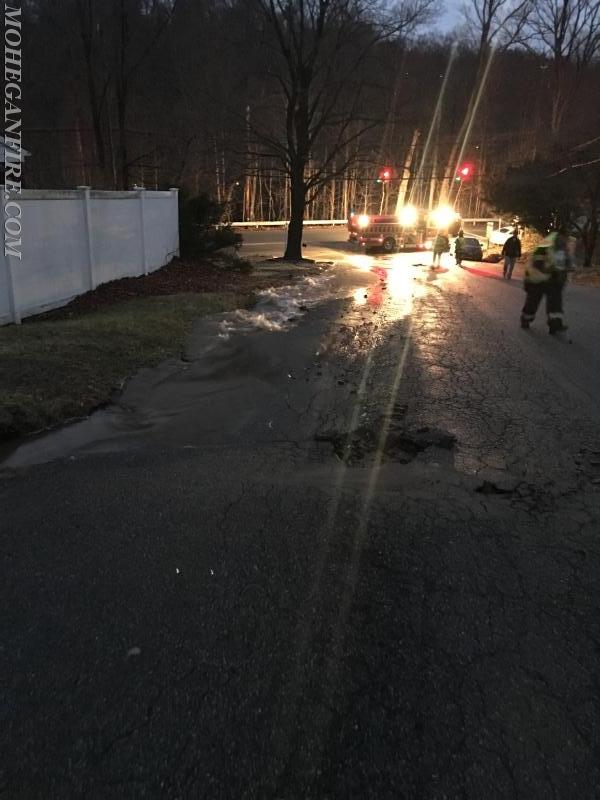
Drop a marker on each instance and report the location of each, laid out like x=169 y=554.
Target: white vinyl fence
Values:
x=74 y=240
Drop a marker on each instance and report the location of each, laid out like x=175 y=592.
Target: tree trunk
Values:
x=111 y=145
x=559 y=97
x=285 y=198
x=123 y=155
x=558 y=112
x=293 y=248
x=433 y=181
x=121 y=93
x=99 y=142
x=217 y=173
x=87 y=32
x=83 y=179
x=332 y=197
x=589 y=241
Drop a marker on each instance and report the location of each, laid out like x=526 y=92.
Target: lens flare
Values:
x=408 y=216
x=361 y=262
x=443 y=216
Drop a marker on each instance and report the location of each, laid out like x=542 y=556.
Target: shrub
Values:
x=200 y=230
x=229 y=260
x=223 y=236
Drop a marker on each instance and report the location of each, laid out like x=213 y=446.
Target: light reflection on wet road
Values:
x=386 y=286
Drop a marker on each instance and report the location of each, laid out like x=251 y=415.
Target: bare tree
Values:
x=97 y=79
x=138 y=28
x=317 y=50
x=184 y=96
x=81 y=25
x=114 y=41
x=568 y=32
x=498 y=23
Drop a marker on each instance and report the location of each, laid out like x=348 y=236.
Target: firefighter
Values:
x=441 y=245
x=458 y=248
x=546 y=275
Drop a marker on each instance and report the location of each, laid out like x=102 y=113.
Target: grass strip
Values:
x=54 y=370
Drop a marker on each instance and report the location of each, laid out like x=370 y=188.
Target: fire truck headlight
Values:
x=443 y=216
x=408 y=216
x=363 y=220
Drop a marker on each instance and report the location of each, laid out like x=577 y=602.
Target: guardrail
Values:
x=283 y=222
x=475 y=220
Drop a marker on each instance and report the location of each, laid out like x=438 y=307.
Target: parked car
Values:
x=501 y=235
x=471 y=251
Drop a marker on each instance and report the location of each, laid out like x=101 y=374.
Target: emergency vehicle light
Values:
x=443 y=216
x=363 y=220
x=408 y=216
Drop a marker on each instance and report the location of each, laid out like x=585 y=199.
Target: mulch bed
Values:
x=176 y=277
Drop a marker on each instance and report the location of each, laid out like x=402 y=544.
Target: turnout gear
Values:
x=458 y=248
x=557 y=326
x=440 y=245
x=545 y=276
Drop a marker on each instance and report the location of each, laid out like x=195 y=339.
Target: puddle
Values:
x=490 y=487
x=280 y=308
x=277 y=309
x=217 y=362
x=222 y=359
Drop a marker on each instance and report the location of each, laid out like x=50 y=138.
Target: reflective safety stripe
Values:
x=380 y=228
x=555 y=315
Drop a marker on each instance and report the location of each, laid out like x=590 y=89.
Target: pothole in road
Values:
x=490 y=487
x=398 y=444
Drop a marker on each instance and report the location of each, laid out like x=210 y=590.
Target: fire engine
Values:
x=412 y=228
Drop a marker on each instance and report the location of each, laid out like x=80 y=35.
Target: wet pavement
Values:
x=346 y=546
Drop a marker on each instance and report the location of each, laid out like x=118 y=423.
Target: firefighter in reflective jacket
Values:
x=546 y=275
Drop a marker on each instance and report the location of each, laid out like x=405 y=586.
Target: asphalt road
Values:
x=271 y=241
x=318 y=240
x=347 y=546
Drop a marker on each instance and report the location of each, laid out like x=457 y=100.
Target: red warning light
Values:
x=385 y=174
x=465 y=171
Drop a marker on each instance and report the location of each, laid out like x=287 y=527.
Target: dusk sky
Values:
x=451 y=14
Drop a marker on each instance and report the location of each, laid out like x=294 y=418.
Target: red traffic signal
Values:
x=385 y=174
x=465 y=171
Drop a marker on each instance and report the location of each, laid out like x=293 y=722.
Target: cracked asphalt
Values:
x=358 y=557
